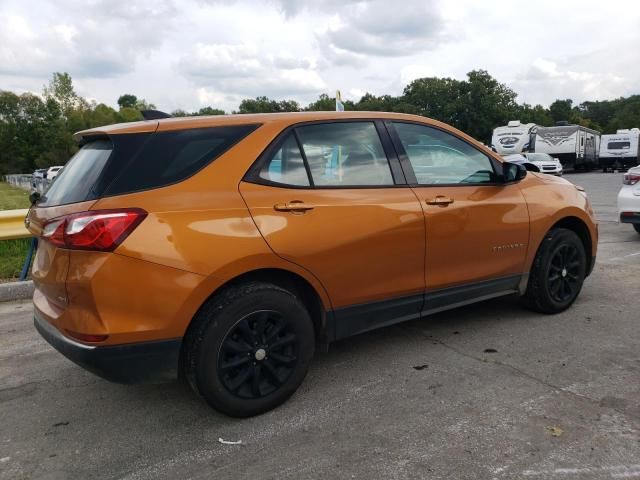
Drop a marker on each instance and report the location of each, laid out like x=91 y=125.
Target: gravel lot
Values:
x=558 y=399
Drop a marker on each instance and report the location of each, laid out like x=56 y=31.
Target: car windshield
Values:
x=539 y=157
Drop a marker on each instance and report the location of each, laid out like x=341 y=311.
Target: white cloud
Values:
x=193 y=53
x=244 y=70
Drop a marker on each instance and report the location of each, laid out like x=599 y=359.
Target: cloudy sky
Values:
x=192 y=53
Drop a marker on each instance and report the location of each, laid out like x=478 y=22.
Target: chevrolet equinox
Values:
x=224 y=250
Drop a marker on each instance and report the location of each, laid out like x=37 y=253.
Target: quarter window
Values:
x=438 y=157
x=287 y=165
x=345 y=154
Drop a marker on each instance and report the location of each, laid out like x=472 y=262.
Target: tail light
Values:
x=631 y=178
x=99 y=230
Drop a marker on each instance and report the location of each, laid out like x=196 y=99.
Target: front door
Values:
x=477 y=228
x=327 y=197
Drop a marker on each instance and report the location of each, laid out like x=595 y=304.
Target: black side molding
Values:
x=355 y=319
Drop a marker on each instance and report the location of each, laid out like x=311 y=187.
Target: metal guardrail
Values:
x=11 y=228
x=28 y=182
x=12 y=224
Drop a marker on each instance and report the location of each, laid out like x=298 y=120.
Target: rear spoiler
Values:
x=154 y=114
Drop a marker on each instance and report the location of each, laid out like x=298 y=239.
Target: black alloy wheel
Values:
x=249 y=348
x=258 y=355
x=564 y=273
x=557 y=273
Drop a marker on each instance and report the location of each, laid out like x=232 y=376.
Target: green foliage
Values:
x=12 y=198
x=201 y=112
x=561 y=110
x=12 y=255
x=60 y=89
x=127 y=101
x=267 y=105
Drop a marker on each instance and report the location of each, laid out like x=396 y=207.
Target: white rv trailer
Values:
x=515 y=137
x=620 y=150
x=575 y=146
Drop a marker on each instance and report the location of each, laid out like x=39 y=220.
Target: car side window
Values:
x=287 y=165
x=345 y=154
x=438 y=157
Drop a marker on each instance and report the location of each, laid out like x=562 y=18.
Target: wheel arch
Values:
x=293 y=282
x=580 y=228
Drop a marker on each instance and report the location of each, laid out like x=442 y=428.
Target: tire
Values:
x=264 y=315
x=557 y=274
x=637 y=227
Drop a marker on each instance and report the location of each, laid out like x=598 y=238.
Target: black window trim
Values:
x=253 y=173
x=254 y=127
x=409 y=173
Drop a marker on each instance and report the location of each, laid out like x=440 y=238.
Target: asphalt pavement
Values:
x=489 y=391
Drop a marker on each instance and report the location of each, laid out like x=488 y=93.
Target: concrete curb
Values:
x=15 y=290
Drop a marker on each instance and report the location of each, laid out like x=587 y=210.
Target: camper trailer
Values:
x=620 y=150
x=575 y=146
x=515 y=137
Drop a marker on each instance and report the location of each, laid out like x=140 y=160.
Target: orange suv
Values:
x=226 y=249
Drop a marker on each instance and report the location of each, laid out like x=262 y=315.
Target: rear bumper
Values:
x=146 y=362
x=630 y=217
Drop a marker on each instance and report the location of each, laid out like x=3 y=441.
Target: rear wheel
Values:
x=558 y=272
x=637 y=227
x=249 y=349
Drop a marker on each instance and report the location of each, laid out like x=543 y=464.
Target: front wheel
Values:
x=558 y=272
x=637 y=227
x=249 y=349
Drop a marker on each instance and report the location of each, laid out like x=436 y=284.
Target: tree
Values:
x=325 y=103
x=266 y=105
x=142 y=104
x=484 y=103
x=438 y=98
x=61 y=90
x=560 y=110
x=536 y=114
x=210 y=111
x=127 y=101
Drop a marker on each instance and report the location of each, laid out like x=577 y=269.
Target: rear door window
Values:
x=287 y=165
x=345 y=154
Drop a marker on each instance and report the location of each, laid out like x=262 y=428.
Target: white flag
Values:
x=339 y=104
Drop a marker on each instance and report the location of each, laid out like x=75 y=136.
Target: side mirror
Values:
x=34 y=197
x=513 y=172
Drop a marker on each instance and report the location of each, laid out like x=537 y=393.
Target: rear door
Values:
x=477 y=228
x=331 y=198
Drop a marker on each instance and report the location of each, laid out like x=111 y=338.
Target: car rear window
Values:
x=130 y=163
x=74 y=182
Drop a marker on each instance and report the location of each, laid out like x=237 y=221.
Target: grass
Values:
x=12 y=255
x=12 y=252
x=12 y=198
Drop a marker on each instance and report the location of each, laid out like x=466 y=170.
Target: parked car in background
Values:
x=52 y=172
x=227 y=248
x=545 y=162
x=629 y=198
x=520 y=159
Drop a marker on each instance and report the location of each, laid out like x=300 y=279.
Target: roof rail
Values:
x=154 y=114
